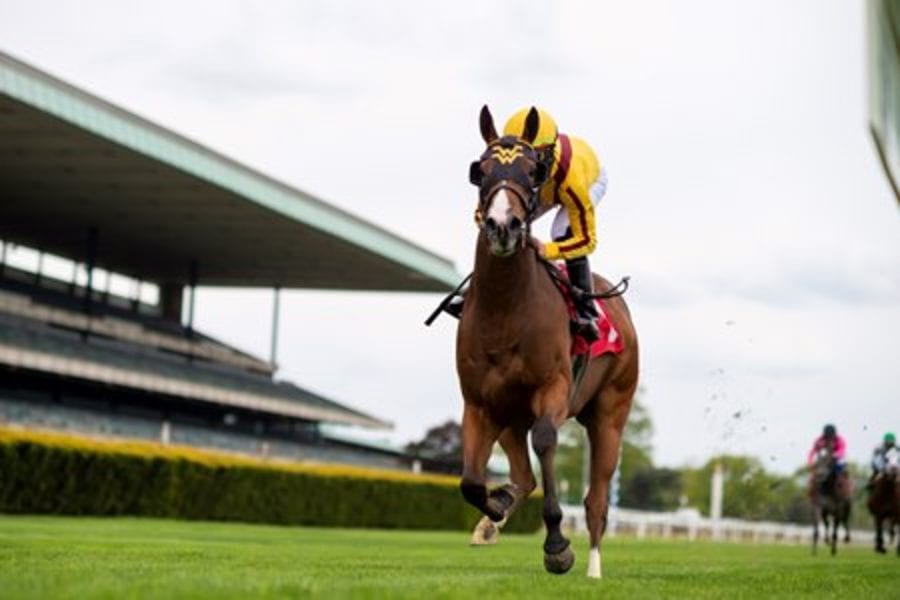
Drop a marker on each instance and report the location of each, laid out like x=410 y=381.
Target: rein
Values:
x=562 y=282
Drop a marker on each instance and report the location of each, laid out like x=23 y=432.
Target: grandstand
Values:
x=108 y=223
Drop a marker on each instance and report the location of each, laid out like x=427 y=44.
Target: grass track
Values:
x=53 y=557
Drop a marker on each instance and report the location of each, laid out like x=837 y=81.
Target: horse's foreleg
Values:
x=879 y=535
x=551 y=411
x=514 y=442
x=558 y=556
x=478 y=436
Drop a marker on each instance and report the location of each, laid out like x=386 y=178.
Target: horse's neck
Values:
x=504 y=285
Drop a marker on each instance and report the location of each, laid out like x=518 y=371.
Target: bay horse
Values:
x=830 y=498
x=513 y=356
x=884 y=504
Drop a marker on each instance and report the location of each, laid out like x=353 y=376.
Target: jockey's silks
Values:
x=575 y=168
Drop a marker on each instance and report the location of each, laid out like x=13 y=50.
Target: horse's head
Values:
x=508 y=176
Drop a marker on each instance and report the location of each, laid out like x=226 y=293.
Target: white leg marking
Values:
x=594 y=563
x=500 y=207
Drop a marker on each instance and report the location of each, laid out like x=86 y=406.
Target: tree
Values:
x=635 y=461
x=651 y=488
x=750 y=492
x=442 y=444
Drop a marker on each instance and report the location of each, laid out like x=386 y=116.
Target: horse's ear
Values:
x=486 y=121
x=475 y=173
x=532 y=123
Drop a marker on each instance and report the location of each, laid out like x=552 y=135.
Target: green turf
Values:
x=47 y=557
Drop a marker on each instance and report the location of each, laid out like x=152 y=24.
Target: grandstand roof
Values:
x=884 y=86
x=70 y=162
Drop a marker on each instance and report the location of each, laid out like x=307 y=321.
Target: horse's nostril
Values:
x=490 y=223
x=515 y=224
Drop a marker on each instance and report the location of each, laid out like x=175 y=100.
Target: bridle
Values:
x=506 y=175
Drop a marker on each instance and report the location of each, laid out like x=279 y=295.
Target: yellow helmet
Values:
x=547 y=130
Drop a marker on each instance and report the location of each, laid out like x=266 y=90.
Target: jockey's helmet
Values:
x=889 y=439
x=547 y=131
x=829 y=432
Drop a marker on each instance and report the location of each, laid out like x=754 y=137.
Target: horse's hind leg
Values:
x=478 y=436
x=816 y=515
x=514 y=442
x=604 y=421
x=848 y=510
x=834 y=533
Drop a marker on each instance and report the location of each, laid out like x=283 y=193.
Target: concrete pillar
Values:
x=276 y=310
x=717 y=486
x=170 y=300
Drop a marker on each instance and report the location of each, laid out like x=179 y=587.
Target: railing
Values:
x=689 y=525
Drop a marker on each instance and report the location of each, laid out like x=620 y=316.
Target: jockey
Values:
x=886 y=455
x=576 y=184
x=829 y=440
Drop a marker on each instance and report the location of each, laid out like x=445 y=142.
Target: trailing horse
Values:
x=884 y=504
x=830 y=497
x=514 y=363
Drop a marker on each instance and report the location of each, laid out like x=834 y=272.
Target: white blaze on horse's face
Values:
x=501 y=207
x=503 y=226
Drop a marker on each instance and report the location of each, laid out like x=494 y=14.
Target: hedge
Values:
x=53 y=473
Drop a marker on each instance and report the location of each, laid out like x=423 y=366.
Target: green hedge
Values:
x=56 y=475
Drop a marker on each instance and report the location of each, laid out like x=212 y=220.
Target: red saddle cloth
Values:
x=609 y=340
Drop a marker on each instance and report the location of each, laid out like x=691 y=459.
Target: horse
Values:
x=884 y=504
x=513 y=357
x=830 y=498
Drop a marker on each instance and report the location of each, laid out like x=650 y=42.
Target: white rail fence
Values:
x=688 y=524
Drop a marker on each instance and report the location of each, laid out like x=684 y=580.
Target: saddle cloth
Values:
x=609 y=340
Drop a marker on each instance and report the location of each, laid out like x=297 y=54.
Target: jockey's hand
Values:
x=539 y=246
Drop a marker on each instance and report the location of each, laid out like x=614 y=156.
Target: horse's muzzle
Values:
x=504 y=239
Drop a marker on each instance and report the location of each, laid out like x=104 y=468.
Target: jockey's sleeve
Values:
x=576 y=199
x=840 y=448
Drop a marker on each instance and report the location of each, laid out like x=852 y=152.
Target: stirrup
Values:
x=587 y=328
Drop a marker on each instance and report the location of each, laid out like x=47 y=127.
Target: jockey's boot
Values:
x=585 y=308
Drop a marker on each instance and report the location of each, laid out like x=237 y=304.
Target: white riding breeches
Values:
x=561 y=220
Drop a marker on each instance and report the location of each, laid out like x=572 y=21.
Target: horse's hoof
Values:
x=880 y=550
x=559 y=563
x=486 y=533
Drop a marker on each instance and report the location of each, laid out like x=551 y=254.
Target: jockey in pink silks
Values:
x=829 y=440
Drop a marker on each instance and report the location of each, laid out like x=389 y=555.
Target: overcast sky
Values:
x=745 y=198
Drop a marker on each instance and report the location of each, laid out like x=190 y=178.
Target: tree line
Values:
x=750 y=492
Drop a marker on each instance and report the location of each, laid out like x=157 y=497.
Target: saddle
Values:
x=609 y=340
